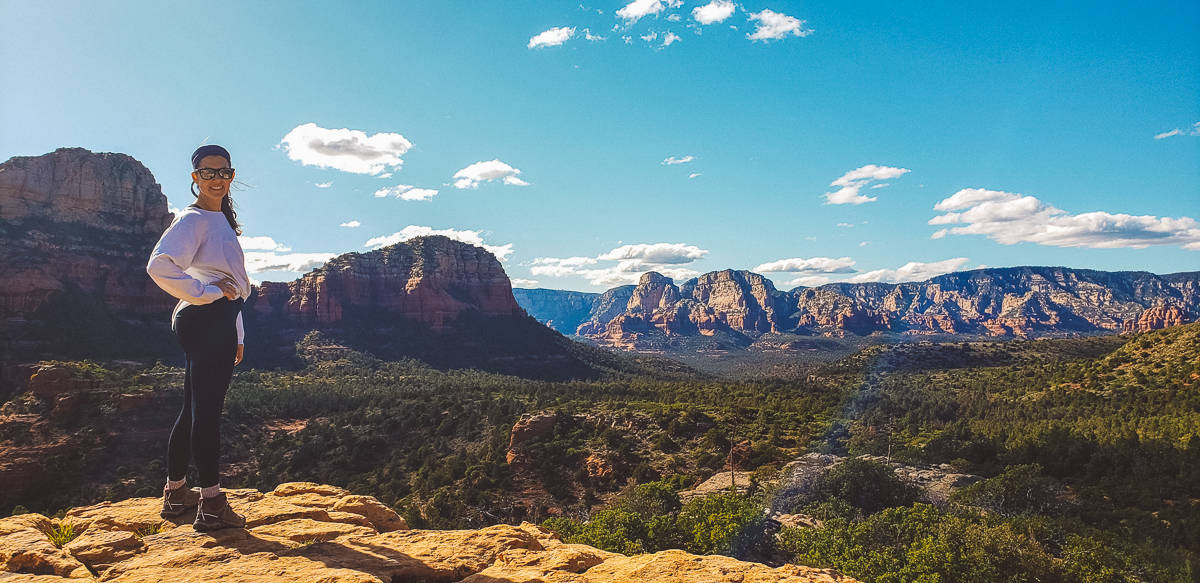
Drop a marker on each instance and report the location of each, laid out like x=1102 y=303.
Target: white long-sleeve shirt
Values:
x=198 y=249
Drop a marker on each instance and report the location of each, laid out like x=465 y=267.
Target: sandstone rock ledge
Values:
x=305 y=532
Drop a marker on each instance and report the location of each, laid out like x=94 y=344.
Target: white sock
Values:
x=175 y=484
x=211 y=491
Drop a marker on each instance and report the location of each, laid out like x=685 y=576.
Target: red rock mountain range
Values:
x=76 y=228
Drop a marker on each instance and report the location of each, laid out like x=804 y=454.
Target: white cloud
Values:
x=552 y=37
x=628 y=39
x=812 y=265
x=631 y=262
x=263 y=261
x=323 y=184
x=472 y=175
x=635 y=10
x=809 y=281
x=846 y=225
x=911 y=271
x=587 y=33
x=344 y=149
x=524 y=283
x=660 y=253
x=1192 y=131
x=672 y=160
x=713 y=12
x=669 y=38
x=418 y=194
x=351 y=224
x=674 y=18
x=407 y=192
x=774 y=25
x=695 y=174
x=853 y=181
x=466 y=236
x=863 y=243
x=262 y=242
x=1010 y=218
x=650 y=36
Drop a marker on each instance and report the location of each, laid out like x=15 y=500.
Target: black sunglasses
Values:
x=210 y=173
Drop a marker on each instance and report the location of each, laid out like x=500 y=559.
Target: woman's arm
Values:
x=172 y=255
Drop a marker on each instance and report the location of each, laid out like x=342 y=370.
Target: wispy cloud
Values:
x=488 y=171
x=853 y=181
x=552 y=37
x=813 y=271
x=713 y=12
x=1192 y=131
x=323 y=184
x=669 y=38
x=261 y=242
x=695 y=174
x=351 y=224
x=672 y=160
x=523 y=283
x=1010 y=218
x=406 y=192
x=911 y=271
x=635 y=10
x=631 y=262
x=774 y=25
x=345 y=149
x=466 y=236
x=264 y=261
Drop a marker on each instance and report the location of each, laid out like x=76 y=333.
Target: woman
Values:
x=199 y=260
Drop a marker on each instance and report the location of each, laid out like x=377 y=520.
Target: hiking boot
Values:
x=213 y=513
x=178 y=501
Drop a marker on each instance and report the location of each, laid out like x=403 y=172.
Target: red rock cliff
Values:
x=432 y=279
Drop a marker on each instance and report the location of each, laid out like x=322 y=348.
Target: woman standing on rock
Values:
x=199 y=260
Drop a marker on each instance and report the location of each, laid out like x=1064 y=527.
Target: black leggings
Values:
x=208 y=334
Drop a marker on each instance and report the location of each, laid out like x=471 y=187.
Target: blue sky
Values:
x=1029 y=134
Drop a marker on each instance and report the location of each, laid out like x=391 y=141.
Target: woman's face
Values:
x=216 y=187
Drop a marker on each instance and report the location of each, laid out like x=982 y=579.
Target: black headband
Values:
x=209 y=150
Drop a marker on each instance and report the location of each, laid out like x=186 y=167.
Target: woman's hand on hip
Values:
x=238 y=359
x=228 y=287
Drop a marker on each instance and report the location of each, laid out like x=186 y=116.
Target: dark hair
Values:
x=226 y=201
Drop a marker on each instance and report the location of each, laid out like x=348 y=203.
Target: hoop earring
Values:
x=193 y=189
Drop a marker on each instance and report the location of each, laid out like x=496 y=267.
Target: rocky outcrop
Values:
x=798 y=477
x=76 y=229
x=1018 y=301
x=1156 y=318
x=313 y=532
x=430 y=279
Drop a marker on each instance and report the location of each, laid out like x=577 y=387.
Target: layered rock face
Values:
x=562 y=310
x=1019 y=301
x=430 y=279
x=76 y=229
x=303 y=531
x=74 y=217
